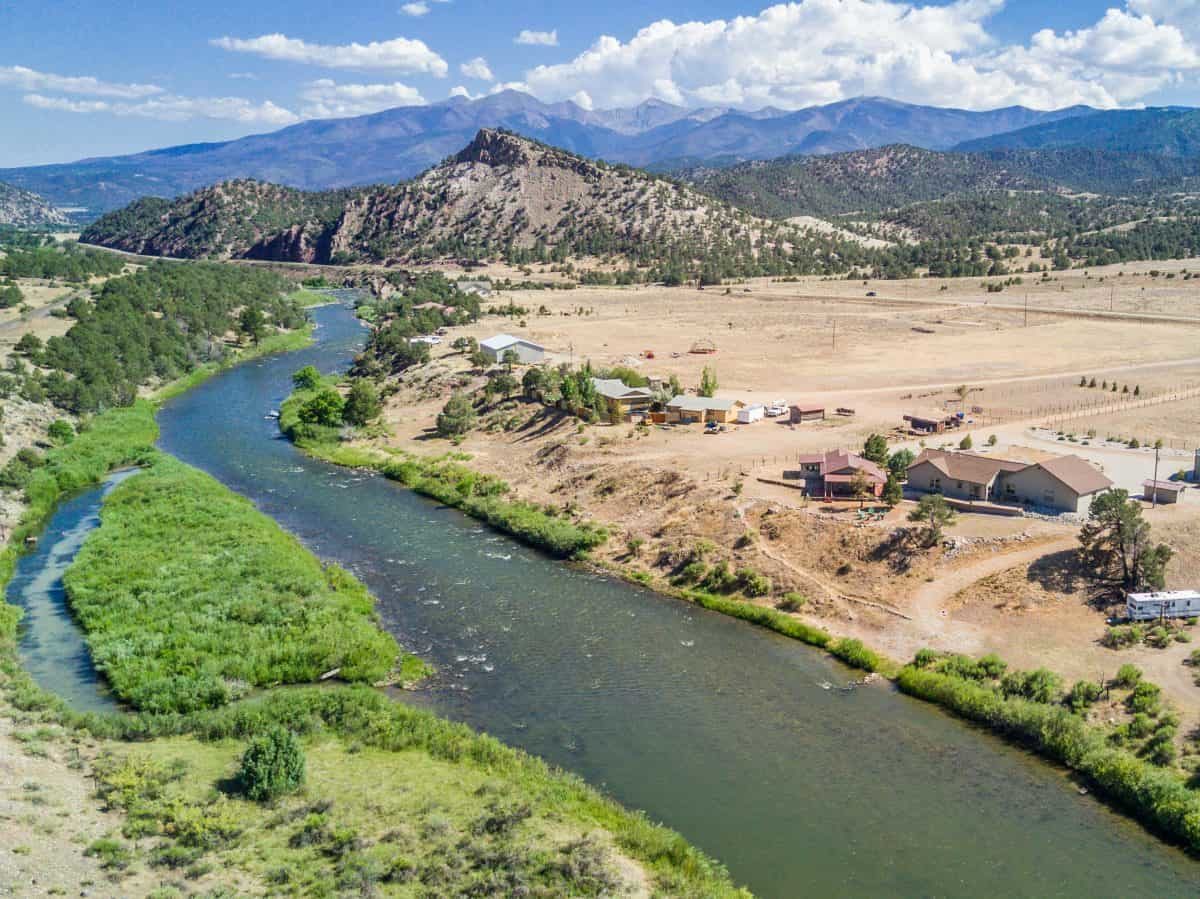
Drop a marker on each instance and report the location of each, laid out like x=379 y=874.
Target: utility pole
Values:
x=1154 y=490
x=1112 y=291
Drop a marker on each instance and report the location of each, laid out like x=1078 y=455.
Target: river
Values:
x=724 y=731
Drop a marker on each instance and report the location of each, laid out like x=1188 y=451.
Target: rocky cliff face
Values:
x=27 y=210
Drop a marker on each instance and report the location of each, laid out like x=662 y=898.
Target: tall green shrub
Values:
x=272 y=766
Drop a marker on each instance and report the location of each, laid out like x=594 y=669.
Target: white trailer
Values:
x=1164 y=604
x=750 y=414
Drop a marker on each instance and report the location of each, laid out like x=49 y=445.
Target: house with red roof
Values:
x=834 y=474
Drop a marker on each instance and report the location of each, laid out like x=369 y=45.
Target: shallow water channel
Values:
x=724 y=731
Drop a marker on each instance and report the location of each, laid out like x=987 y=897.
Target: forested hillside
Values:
x=869 y=181
x=1161 y=132
x=501 y=197
x=148 y=327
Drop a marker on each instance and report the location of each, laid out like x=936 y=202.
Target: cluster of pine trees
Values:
x=157 y=324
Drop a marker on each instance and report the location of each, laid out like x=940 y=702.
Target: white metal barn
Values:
x=1166 y=604
x=527 y=351
x=752 y=413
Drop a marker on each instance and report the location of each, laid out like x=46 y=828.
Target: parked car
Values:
x=777 y=408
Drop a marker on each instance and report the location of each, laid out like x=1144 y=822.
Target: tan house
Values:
x=630 y=400
x=1061 y=484
x=691 y=409
x=958 y=475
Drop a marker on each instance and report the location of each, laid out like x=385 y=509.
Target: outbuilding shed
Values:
x=527 y=351
x=1164 y=493
x=800 y=414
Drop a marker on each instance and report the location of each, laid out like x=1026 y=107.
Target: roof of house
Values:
x=701 y=403
x=616 y=389
x=807 y=408
x=833 y=461
x=1078 y=474
x=1169 y=486
x=966 y=466
x=504 y=341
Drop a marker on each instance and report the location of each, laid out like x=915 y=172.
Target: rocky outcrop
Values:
x=501 y=193
x=27 y=210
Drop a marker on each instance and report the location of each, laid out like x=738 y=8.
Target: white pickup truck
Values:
x=777 y=408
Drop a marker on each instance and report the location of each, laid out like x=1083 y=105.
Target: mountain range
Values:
x=400 y=143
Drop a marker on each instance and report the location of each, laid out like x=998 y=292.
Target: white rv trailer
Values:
x=1165 y=604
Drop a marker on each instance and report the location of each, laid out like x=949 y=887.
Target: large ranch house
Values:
x=1064 y=484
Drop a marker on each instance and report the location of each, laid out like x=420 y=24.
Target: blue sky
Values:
x=96 y=78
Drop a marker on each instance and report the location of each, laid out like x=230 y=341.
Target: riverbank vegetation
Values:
x=1131 y=765
x=309 y=418
x=174 y=632
x=395 y=799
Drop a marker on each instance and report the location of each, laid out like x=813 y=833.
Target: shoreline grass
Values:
x=1157 y=797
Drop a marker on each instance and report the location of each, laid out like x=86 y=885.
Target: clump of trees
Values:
x=1115 y=543
x=10 y=296
x=64 y=262
x=160 y=323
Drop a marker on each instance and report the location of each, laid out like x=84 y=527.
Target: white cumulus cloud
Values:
x=400 y=54
x=85 y=85
x=419 y=8
x=477 y=68
x=171 y=108
x=537 y=38
x=819 y=51
x=325 y=99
